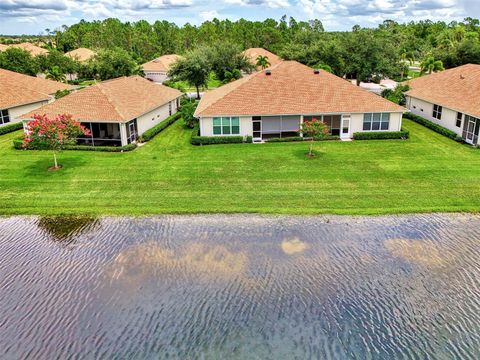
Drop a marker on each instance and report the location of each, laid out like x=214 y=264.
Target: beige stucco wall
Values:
x=206 y=126
x=425 y=109
x=17 y=111
x=156 y=76
x=155 y=117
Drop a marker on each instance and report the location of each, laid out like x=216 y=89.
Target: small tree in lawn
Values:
x=53 y=134
x=314 y=129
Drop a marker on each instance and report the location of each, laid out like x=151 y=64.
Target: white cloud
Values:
x=209 y=15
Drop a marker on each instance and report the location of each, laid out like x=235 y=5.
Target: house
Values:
x=157 y=69
x=21 y=93
x=253 y=53
x=116 y=111
x=3 y=47
x=274 y=102
x=450 y=98
x=81 y=54
x=32 y=49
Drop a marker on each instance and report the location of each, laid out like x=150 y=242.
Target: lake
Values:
x=240 y=287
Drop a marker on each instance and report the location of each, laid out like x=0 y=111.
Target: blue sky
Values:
x=34 y=16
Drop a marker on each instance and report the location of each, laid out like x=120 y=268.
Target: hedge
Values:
x=210 y=140
x=435 y=127
x=11 y=127
x=18 y=144
x=381 y=135
x=151 y=133
x=299 y=138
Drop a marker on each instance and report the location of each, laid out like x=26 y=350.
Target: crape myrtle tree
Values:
x=53 y=134
x=315 y=130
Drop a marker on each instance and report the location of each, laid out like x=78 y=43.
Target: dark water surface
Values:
x=240 y=287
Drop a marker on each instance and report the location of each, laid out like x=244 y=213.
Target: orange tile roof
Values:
x=117 y=100
x=19 y=89
x=457 y=89
x=162 y=63
x=3 y=47
x=81 y=54
x=291 y=89
x=32 y=49
x=253 y=53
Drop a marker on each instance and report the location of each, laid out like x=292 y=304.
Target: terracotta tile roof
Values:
x=3 y=47
x=292 y=88
x=81 y=54
x=253 y=53
x=163 y=63
x=32 y=49
x=19 y=89
x=457 y=89
x=117 y=100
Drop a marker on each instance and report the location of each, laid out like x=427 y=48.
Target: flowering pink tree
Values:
x=53 y=134
x=314 y=129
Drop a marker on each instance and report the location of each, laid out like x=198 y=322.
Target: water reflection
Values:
x=241 y=287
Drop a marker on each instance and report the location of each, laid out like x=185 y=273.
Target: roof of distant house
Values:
x=32 y=49
x=116 y=100
x=19 y=89
x=253 y=53
x=457 y=89
x=3 y=47
x=162 y=63
x=291 y=88
x=81 y=54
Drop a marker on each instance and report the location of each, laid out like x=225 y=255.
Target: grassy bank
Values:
x=167 y=175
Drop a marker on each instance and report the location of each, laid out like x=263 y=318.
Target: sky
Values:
x=34 y=16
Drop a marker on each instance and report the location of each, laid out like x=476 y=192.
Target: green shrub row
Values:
x=435 y=127
x=154 y=131
x=5 y=129
x=381 y=135
x=18 y=144
x=299 y=138
x=210 y=140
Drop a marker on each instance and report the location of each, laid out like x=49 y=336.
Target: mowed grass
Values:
x=428 y=173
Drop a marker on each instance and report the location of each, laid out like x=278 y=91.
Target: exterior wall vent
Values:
x=268 y=72
x=316 y=71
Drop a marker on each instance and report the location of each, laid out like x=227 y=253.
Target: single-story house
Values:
x=450 y=98
x=253 y=53
x=157 y=69
x=116 y=111
x=275 y=101
x=32 y=49
x=81 y=54
x=21 y=93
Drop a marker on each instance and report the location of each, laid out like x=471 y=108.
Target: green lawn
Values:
x=167 y=175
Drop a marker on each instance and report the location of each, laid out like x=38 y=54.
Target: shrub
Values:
x=381 y=135
x=432 y=126
x=18 y=144
x=299 y=138
x=187 y=110
x=5 y=129
x=210 y=140
x=154 y=131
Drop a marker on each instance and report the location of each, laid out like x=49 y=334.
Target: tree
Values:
x=187 y=110
x=314 y=129
x=262 y=61
x=65 y=64
x=18 y=60
x=56 y=74
x=232 y=75
x=194 y=68
x=53 y=134
x=429 y=65
x=324 y=67
x=396 y=95
x=114 y=63
x=226 y=57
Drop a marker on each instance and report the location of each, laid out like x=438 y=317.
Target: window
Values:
x=226 y=126
x=4 y=118
x=459 y=119
x=170 y=108
x=376 y=121
x=437 y=112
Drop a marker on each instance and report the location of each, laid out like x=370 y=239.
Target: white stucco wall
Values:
x=155 y=117
x=206 y=126
x=17 y=111
x=156 y=76
x=425 y=109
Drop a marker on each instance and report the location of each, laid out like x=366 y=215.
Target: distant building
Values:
x=157 y=69
x=81 y=54
x=32 y=49
x=253 y=53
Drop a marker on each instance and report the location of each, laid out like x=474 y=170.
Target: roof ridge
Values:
x=109 y=100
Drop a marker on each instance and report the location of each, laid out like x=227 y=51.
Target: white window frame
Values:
x=382 y=115
x=221 y=126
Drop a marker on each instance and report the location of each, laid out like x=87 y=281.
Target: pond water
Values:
x=240 y=287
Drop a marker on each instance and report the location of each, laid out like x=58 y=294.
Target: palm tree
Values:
x=262 y=61
x=56 y=74
x=430 y=65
